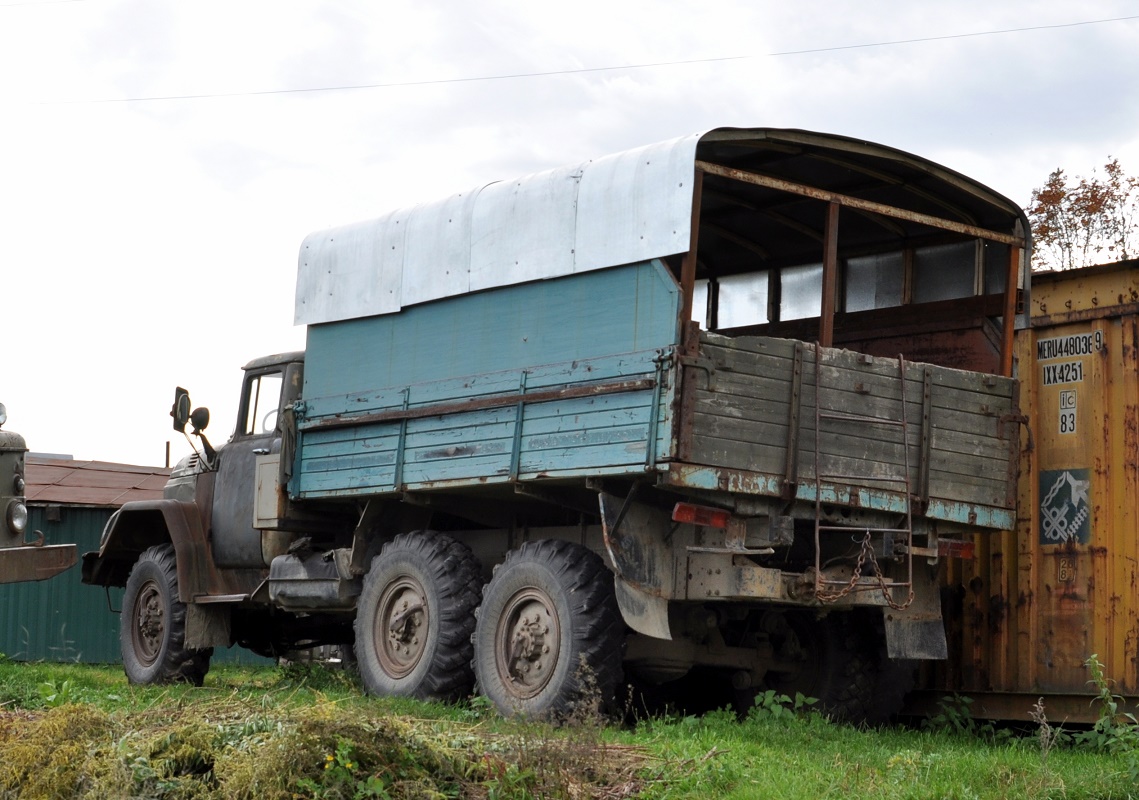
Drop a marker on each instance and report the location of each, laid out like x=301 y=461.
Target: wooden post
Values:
x=688 y=265
x=1012 y=284
x=830 y=276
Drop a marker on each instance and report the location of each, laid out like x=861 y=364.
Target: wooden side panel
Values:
x=743 y=418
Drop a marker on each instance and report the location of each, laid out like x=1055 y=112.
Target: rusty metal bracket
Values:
x=519 y=415
x=39 y=540
x=397 y=474
x=704 y=363
x=922 y=493
x=662 y=359
x=794 y=414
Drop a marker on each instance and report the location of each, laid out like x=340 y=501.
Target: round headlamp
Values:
x=18 y=485
x=17 y=517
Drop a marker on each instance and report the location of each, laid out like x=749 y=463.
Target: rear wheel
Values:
x=152 y=628
x=415 y=616
x=549 y=631
x=832 y=659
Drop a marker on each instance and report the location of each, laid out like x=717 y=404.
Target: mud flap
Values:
x=644 y=613
x=642 y=562
x=917 y=631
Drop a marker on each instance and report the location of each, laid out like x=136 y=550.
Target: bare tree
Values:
x=1087 y=222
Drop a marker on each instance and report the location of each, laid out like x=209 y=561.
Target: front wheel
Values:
x=549 y=632
x=152 y=629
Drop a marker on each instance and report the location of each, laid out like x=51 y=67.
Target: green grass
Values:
x=82 y=731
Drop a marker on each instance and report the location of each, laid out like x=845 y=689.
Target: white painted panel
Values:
x=351 y=271
x=437 y=251
x=636 y=205
x=523 y=230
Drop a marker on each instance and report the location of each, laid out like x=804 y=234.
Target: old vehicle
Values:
x=658 y=411
x=21 y=558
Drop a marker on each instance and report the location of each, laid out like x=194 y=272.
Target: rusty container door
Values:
x=1079 y=493
x=1035 y=604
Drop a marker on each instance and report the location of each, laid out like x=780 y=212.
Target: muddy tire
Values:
x=415 y=617
x=152 y=627
x=549 y=635
x=832 y=659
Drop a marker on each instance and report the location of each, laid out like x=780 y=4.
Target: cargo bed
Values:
x=741 y=417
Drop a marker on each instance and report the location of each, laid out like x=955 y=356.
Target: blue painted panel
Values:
x=584 y=329
x=586 y=316
x=597 y=435
x=624 y=366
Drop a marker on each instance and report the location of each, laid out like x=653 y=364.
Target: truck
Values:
x=727 y=402
x=21 y=558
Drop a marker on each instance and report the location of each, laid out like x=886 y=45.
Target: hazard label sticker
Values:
x=1065 y=509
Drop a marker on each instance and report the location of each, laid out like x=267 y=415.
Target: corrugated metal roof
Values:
x=91 y=483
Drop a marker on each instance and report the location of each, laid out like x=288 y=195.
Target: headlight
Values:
x=3 y=414
x=17 y=517
x=18 y=485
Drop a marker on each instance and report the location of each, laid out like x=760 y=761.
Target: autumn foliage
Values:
x=1086 y=221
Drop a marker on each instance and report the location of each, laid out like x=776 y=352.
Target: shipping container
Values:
x=1035 y=604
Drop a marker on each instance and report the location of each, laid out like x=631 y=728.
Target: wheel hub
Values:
x=528 y=639
x=400 y=632
x=150 y=624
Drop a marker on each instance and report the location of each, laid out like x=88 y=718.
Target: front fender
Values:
x=142 y=524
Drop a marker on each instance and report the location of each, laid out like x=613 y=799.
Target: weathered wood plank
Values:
x=739 y=353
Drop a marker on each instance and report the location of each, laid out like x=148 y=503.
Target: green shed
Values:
x=61 y=619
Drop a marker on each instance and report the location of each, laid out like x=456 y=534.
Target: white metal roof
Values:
x=623 y=208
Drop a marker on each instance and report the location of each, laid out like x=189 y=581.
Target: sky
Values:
x=161 y=161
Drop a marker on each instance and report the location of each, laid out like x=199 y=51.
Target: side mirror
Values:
x=181 y=409
x=200 y=419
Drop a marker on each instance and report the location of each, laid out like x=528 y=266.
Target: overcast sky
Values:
x=161 y=161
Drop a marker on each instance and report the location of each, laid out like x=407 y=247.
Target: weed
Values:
x=317 y=676
x=953 y=715
x=344 y=777
x=771 y=705
x=54 y=695
x=1046 y=735
x=1115 y=731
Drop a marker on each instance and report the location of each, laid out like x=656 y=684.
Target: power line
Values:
x=40 y=3
x=588 y=70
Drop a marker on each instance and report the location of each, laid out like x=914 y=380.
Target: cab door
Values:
x=235 y=542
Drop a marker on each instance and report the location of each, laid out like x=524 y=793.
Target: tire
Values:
x=833 y=660
x=415 y=616
x=152 y=627
x=549 y=634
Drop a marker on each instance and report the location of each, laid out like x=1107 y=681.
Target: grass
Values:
x=305 y=731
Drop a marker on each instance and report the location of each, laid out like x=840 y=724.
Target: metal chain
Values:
x=866 y=553
x=830 y=597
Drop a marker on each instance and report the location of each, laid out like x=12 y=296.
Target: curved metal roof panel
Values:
x=619 y=209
